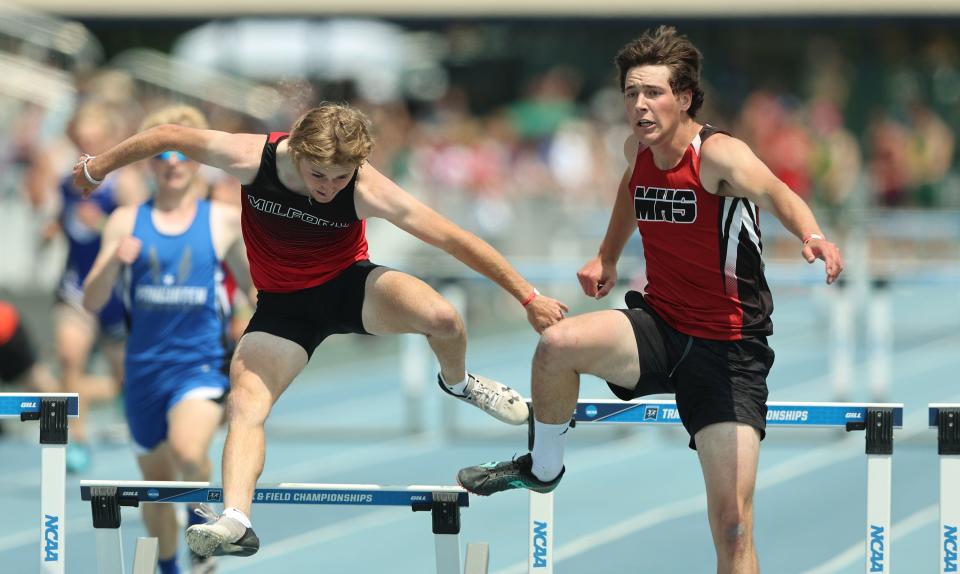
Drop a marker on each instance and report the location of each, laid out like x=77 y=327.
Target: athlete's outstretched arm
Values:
x=117 y=248
x=236 y=154
x=729 y=167
x=228 y=241
x=598 y=276
x=377 y=196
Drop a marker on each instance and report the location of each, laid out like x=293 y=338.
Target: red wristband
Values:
x=530 y=299
x=811 y=237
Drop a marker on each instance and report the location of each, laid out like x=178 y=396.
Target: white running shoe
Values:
x=496 y=399
x=221 y=536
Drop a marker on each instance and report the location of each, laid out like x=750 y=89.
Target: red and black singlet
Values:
x=294 y=243
x=703 y=251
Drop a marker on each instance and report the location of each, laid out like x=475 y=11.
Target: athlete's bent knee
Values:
x=444 y=322
x=248 y=407
x=557 y=346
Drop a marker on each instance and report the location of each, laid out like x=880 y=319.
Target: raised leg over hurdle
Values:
x=877 y=419
x=444 y=503
x=53 y=411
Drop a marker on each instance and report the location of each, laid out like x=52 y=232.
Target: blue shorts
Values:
x=150 y=392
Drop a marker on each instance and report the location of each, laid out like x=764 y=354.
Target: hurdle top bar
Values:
x=13 y=404
x=780 y=414
x=282 y=493
x=934 y=412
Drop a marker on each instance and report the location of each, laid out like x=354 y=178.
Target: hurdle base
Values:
x=146 y=556
x=445 y=512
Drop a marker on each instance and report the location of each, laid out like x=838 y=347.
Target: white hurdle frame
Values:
x=106 y=498
x=945 y=417
x=877 y=419
x=52 y=410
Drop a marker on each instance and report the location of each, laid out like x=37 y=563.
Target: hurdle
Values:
x=53 y=411
x=877 y=419
x=946 y=418
x=444 y=503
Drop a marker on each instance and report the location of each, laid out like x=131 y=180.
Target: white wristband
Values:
x=86 y=172
x=811 y=237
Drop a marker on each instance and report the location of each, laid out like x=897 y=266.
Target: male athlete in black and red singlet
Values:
x=700 y=328
x=306 y=195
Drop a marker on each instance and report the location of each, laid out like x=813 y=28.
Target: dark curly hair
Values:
x=665 y=47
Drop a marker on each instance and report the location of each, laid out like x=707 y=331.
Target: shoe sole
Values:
x=495 y=414
x=203 y=542
x=230 y=549
x=471 y=491
x=474 y=492
x=206 y=543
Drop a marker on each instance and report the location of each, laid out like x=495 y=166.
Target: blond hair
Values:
x=331 y=134
x=179 y=114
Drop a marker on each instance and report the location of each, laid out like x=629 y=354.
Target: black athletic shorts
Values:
x=16 y=355
x=309 y=316
x=714 y=381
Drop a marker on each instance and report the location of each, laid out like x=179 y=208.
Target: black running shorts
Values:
x=309 y=316
x=16 y=355
x=714 y=381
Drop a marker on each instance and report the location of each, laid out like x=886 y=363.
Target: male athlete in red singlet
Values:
x=700 y=329
x=306 y=195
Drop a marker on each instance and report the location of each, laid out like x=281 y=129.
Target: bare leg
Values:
x=40 y=379
x=729 y=453
x=115 y=352
x=192 y=424
x=75 y=332
x=263 y=367
x=395 y=302
x=160 y=519
x=600 y=343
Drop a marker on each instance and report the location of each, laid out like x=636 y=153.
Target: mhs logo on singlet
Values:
x=661 y=204
x=291 y=213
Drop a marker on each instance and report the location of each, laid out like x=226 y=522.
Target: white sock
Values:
x=548 y=442
x=456 y=388
x=237 y=515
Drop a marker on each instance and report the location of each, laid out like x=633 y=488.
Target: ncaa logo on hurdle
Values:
x=876 y=548
x=540 y=534
x=51 y=537
x=949 y=548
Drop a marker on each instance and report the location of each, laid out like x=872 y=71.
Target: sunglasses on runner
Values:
x=168 y=155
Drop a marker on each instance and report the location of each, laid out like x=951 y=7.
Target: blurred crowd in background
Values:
x=461 y=119
x=514 y=129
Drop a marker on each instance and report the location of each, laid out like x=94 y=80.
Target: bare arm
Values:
x=729 y=167
x=598 y=276
x=117 y=248
x=237 y=154
x=228 y=241
x=377 y=196
x=131 y=189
